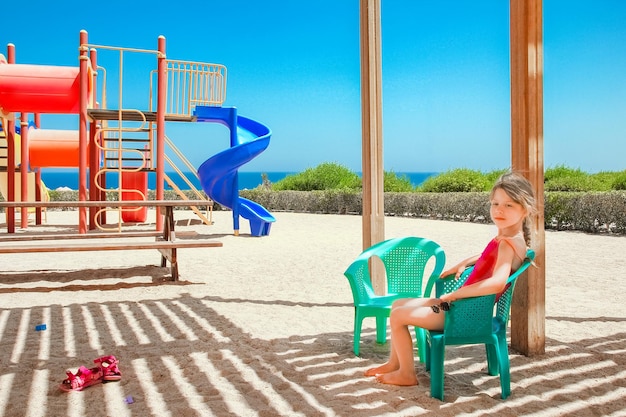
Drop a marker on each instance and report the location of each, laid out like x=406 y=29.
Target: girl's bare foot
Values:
x=382 y=369
x=398 y=378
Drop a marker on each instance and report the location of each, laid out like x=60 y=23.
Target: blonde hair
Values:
x=520 y=190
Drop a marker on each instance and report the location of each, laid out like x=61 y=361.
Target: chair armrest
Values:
x=447 y=284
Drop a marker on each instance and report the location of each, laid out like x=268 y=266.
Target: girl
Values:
x=512 y=203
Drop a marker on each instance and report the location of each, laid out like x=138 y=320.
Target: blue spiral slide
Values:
x=219 y=174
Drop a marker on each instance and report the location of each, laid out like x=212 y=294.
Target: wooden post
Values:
x=372 y=131
x=528 y=308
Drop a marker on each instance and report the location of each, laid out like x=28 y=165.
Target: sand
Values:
x=263 y=327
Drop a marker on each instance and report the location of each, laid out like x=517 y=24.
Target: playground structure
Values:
x=127 y=142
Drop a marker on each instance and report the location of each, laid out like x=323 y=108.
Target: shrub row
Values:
x=331 y=175
x=600 y=212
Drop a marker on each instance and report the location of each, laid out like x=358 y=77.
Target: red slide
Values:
x=134 y=187
x=40 y=88
x=28 y=88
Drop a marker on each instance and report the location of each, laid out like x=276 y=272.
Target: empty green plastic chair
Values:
x=475 y=320
x=405 y=260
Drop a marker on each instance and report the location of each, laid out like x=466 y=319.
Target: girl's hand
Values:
x=456 y=271
x=444 y=299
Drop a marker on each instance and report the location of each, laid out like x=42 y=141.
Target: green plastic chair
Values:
x=405 y=259
x=473 y=321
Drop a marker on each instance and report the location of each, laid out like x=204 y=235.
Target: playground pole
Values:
x=10 y=134
x=94 y=192
x=82 y=131
x=24 y=168
x=38 y=195
x=160 y=128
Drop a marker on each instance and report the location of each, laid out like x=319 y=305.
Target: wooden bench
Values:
x=165 y=242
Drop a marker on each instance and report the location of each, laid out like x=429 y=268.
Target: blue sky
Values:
x=294 y=66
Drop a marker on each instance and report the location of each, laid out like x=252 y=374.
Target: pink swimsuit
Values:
x=484 y=266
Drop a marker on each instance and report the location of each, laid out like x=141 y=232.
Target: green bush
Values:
x=492 y=177
x=326 y=176
x=561 y=171
x=332 y=176
x=562 y=178
x=396 y=184
x=603 y=181
x=619 y=181
x=461 y=180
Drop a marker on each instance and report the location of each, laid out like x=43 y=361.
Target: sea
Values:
x=62 y=179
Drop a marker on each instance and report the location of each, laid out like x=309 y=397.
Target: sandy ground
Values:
x=263 y=327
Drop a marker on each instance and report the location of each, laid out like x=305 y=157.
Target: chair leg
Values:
x=437 y=356
x=420 y=341
x=492 y=359
x=358 y=322
x=381 y=329
x=427 y=354
x=505 y=367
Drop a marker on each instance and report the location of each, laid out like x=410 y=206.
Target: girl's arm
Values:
x=491 y=285
x=458 y=269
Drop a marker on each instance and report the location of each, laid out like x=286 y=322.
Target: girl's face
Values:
x=505 y=212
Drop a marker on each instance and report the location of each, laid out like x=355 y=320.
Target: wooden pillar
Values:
x=372 y=131
x=528 y=308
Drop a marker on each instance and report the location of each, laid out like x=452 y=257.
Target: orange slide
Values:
x=53 y=148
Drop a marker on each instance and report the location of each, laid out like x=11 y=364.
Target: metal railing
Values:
x=206 y=218
x=191 y=84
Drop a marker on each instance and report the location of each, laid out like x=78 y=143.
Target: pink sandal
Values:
x=83 y=378
x=106 y=370
x=108 y=365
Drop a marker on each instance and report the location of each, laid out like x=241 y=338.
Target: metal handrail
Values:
x=191 y=84
x=182 y=175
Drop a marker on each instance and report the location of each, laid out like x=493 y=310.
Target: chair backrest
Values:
x=360 y=282
x=503 y=307
x=405 y=263
x=472 y=319
x=405 y=260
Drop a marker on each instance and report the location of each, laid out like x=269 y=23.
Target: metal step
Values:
x=127 y=159
x=145 y=140
x=100 y=114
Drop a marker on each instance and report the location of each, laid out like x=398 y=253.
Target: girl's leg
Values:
x=402 y=343
x=393 y=364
